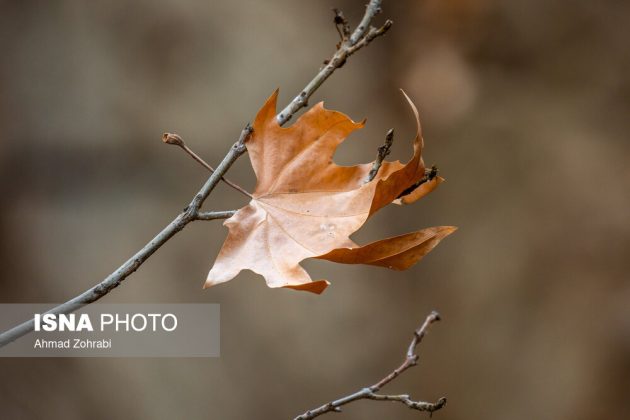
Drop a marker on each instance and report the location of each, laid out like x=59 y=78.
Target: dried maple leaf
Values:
x=306 y=206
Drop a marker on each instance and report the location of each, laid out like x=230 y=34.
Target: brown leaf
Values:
x=306 y=206
x=397 y=253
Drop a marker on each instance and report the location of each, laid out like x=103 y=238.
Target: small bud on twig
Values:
x=171 y=138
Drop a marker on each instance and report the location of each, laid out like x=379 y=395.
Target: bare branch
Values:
x=357 y=40
x=370 y=393
x=175 y=139
x=381 y=154
x=411 y=358
x=214 y=215
x=191 y=212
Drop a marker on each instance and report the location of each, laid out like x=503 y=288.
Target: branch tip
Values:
x=435 y=315
x=370 y=392
x=172 y=138
x=372 y=9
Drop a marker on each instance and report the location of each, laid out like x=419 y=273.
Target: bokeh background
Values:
x=525 y=108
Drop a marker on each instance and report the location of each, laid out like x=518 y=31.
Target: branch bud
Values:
x=172 y=138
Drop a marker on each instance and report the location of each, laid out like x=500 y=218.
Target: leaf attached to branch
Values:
x=306 y=206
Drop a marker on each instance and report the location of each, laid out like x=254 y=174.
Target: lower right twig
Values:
x=370 y=393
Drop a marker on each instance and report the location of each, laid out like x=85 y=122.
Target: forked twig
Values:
x=348 y=46
x=370 y=392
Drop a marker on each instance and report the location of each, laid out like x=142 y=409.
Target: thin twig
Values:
x=191 y=212
x=381 y=154
x=372 y=9
x=371 y=35
x=354 y=43
x=416 y=405
x=342 y=25
x=214 y=215
x=176 y=140
x=370 y=393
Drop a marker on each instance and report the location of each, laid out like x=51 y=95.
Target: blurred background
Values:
x=525 y=109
